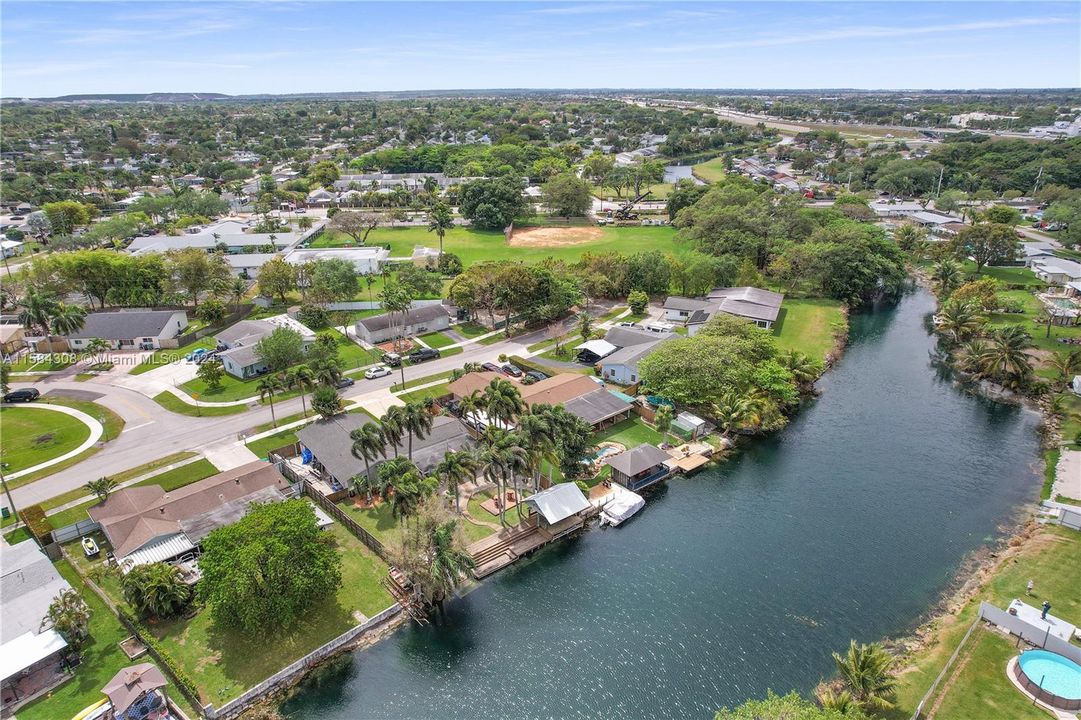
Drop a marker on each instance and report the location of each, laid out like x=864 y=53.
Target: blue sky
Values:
x=247 y=47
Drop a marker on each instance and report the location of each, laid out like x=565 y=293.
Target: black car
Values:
x=23 y=395
x=536 y=375
x=490 y=367
x=418 y=356
x=345 y=382
x=512 y=370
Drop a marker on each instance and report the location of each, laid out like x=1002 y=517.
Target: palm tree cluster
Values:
x=156 y=589
x=866 y=680
x=1000 y=355
x=69 y=615
x=316 y=377
x=46 y=314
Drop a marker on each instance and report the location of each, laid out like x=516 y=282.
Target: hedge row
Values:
x=180 y=678
x=36 y=522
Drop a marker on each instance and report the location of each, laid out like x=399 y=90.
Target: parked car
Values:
x=419 y=356
x=512 y=370
x=377 y=372
x=22 y=395
x=490 y=367
x=392 y=359
x=536 y=375
x=345 y=382
x=195 y=354
x=628 y=324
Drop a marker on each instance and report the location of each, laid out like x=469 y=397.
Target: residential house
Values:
x=639 y=467
x=239 y=357
x=1055 y=270
x=887 y=209
x=1030 y=252
x=147 y=524
x=331 y=447
x=130 y=329
x=11 y=248
x=759 y=306
x=11 y=338
x=321 y=197
x=417 y=321
x=621 y=367
x=425 y=257
x=28 y=650
x=366 y=260
x=592 y=351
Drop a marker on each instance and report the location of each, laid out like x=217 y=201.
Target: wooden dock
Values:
x=497 y=551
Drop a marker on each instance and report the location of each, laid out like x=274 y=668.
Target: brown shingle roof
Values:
x=133 y=516
x=557 y=389
x=466 y=384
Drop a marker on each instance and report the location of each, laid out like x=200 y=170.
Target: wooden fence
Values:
x=350 y=524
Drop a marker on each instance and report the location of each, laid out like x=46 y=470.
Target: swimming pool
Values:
x=1052 y=678
x=605 y=452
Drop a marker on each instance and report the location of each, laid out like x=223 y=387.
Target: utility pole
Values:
x=938 y=190
x=1036 y=185
x=848 y=186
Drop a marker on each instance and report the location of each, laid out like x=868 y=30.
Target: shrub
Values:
x=450 y=264
x=638 y=301
x=38 y=525
x=315 y=317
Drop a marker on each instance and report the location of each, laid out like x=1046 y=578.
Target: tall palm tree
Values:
x=67 y=319
x=538 y=438
x=503 y=401
x=267 y=387
x=976 y=358
x=471 y=405
x=237 y=290
x=393 y=422
x=368 y=444
x=502 y=457
x=866 y=673
x=37 y=311
x=1009 y=346
x=417 y=421
x=947 y=275
x=450 y=562
x=301 y=378
x=1066 y=365
x=959 y=320
x=456 y=468
x=440 y=219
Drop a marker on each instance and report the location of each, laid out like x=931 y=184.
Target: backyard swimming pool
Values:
x=1054 y=675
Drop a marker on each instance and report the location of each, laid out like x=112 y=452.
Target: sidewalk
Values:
x=96 y=431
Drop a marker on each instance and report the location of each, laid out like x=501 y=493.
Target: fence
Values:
x=75 y=531
x=284 y=677
x=1030 y=633
x=239 y=314
x=945 y=669
x=343 y=517
x=1062 y=514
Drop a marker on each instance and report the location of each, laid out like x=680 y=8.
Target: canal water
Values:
x=848 y=524
x=675 y=173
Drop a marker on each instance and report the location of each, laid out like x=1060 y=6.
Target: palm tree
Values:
x=947 y=274
x=538 y=439
x=302 y=378
x=37 y=311
x=1009 y=345
x=96 y=347
x=440 y=219
x=237 y=290
x=156 y=589
x=450 y=562
x=804 y=370
x=976 y=358
x=416 y=421
x=393 y=422
x=472 y=404
x=733 y=411
x=407 y=494
x=456 y=468
x=267 y=387
x=69 y=615
x=1066 y=365
x=325 y=371
x=503 y=402
x=368 y=444
x=502 y=458
x=101 y=488
x=865 y=671
x=840 y=701
x=67 y=319
x=959 y=320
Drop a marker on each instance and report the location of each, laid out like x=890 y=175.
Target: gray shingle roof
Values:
x=623 y=337
x=748 y=294
x=637 y=459
x=675 y=302
x=27 y=588
x=124 y=324
x=414 y=316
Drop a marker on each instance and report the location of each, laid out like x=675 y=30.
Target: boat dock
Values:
x=497 y=551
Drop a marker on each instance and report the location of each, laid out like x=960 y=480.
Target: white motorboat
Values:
x=622 y=506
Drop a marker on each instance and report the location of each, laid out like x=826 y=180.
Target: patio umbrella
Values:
x=131 y=683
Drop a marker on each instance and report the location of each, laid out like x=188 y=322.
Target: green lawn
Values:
x=174 y=404
x=470 y=329
x=112 y=424
x=164 y=357
x=1042 y=337
x=33 y=436
x=474 y=246
x=1008 y=275
x=981 y=689
x=710 y=170
x=435 y=391
x=474 y=509
x=353 y=356
x=658 y=191
x=630 y=433
x=376 y=519
x=808 y=325
x=421 y=381
x=169 y=480
x=102 y=659
x=263 y=446
x=437 y=340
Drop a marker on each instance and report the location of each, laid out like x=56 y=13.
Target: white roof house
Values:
x=367 y=260
x=1053 y=269
x=28 y=584
x=558 y=502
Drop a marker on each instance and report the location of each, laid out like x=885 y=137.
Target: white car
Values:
x=377 y=372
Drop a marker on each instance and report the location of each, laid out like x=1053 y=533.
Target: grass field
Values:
x=174 y=404
x=808 y=325
x=26 y=364
x=437 y=340
x=102 y=658
x=33 y=436
x=710 y=170
x=474 y=246
x=112 y=423
x=629 y=433
x=436 y=391
x=1007 y=275
x=979 y=687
